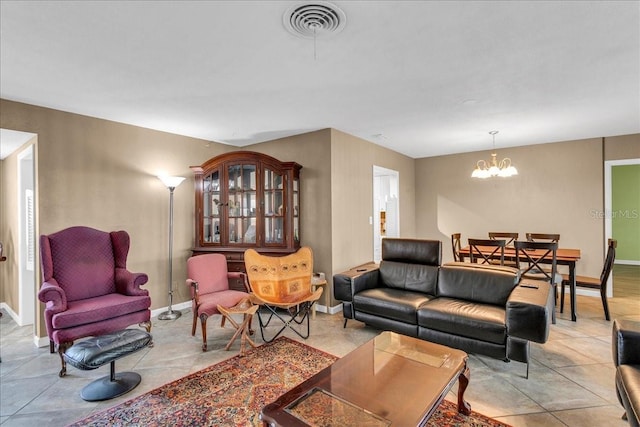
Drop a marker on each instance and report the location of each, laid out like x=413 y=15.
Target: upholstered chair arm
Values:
x=194 y=291
x=529 y=309
x=239 y=275
x=626 y=342
x=346 y=286
x=53 y=296
x=128 y=283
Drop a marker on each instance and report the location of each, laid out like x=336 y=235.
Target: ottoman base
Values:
x=106 y=388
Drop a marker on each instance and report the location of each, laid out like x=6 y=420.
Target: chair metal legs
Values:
x=289 y=317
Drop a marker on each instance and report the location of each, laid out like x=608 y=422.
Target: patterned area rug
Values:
x=232 y=392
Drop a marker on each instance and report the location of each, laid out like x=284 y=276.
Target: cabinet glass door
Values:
x=274 y=207
x=296 y=211
x=241 y=205
x=211 y=208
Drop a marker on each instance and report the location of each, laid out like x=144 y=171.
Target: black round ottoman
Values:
x=96 y=351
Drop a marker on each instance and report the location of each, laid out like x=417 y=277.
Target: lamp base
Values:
x=169 y=315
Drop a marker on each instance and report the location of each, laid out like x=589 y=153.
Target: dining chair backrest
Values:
x=543 y=237
x=530 y=255
x=612 y=244
x=456 y=246
x=479 y=250
x=500 y=235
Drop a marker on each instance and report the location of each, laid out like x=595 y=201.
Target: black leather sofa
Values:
x=626 y=356
x=480 y=309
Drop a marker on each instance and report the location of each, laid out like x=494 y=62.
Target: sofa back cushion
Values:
x=410 y=264
x=479 y=283
x=412 y=251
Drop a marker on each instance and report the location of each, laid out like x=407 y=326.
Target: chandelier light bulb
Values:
x=502 y=168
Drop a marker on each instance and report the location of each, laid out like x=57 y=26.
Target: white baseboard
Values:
x=180 y=306
x=10 y=312
x=330 y=310
x=41 y=341
x=626 y=262
x=37 y=341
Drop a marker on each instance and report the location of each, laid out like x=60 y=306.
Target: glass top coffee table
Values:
x=390 y=380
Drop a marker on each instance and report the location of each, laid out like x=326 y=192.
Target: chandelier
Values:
x=491 y=168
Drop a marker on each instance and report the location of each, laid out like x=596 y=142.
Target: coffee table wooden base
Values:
x=463 y=382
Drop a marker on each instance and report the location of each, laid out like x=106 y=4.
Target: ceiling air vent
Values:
x=313 y=20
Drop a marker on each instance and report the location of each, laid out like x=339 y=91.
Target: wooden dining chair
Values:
x=529 y=259
x=509 y=237
x=501 y=235
x=543 y=237
x=599 y=283
x=476 y=252
x=456 y=246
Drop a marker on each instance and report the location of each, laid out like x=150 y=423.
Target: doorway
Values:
x=385 y=218
x=615 y=215
x=26 y=236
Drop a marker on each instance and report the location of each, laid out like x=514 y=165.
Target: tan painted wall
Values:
x=102 y=174
x=622 y=147
x=337 y=184
x=352 y=161
x=313 y=151
x=558 y=187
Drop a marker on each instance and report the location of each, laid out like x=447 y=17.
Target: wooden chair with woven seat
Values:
x=477 y=254
x=456 y=245
x=282 y=288
x=599 y=283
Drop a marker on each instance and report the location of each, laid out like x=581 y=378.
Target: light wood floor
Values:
x=626 y=280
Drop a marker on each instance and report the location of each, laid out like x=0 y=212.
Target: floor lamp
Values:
x=171 y=182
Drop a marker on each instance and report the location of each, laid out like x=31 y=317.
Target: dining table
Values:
x=564 y=256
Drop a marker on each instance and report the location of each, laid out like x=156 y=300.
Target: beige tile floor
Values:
x=571 y=382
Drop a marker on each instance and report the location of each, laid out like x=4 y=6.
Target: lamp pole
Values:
x=171 y=182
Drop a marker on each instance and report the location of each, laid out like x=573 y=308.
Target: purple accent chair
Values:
x=87 y=288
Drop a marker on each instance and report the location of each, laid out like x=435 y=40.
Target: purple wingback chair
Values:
x=87 y=288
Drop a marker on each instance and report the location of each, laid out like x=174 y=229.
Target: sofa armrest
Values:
x=345 y=286
x=529 y=309
x=128 y=283
x=626 y=342
x=53 y=296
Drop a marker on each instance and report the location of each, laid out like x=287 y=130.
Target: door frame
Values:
x=379 y=171
x=27 y=245
x=608 y=224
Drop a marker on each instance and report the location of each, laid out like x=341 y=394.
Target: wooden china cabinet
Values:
x=246 y=200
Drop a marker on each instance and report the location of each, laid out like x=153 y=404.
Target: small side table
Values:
x=247 y=309
x=318 y=279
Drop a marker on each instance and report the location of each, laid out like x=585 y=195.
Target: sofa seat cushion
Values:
x=464 y=318
x=100 y=308
x=396 y=304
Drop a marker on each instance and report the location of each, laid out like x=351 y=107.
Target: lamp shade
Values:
x=171 y=181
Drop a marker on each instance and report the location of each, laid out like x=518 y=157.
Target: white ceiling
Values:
x=423 y=78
